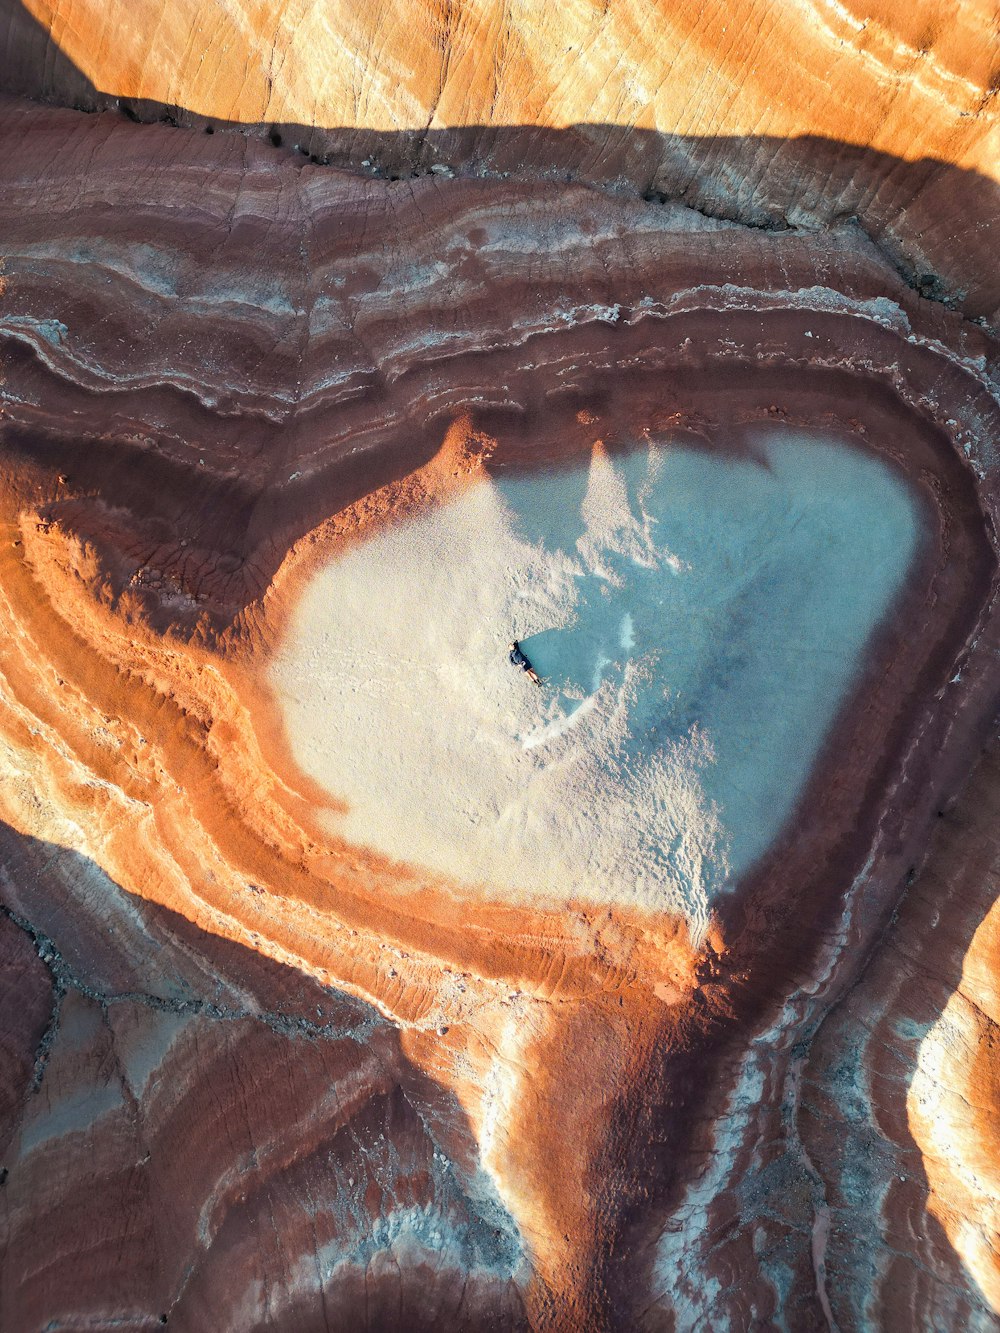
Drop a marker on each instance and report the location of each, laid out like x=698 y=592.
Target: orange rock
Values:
x=285 y=1082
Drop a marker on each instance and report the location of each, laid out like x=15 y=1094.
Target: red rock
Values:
x=283 y=1082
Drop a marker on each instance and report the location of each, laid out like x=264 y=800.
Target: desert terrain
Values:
x=350 y=979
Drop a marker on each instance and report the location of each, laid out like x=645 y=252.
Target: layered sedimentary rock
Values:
x=256 y=1076
x=781 y=116
x=897 y=1106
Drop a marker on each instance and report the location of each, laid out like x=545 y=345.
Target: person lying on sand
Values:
x=518 y=658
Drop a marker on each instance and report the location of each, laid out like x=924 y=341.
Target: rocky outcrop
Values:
x=775 y=116
x=253 y=1076
x=897 y=1102
x=235 y=1146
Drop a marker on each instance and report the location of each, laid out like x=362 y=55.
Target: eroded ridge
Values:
x=218 y=368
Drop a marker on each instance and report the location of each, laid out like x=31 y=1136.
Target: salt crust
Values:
x=698 y=618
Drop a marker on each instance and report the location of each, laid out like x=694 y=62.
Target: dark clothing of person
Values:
x=518 y=658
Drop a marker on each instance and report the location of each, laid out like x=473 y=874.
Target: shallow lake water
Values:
x=698 y=621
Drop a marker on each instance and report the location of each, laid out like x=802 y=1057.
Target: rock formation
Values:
x=254 y=1076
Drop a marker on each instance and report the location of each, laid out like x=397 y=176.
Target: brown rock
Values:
x=254 y=1077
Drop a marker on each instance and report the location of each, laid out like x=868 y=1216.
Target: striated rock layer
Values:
x=256 y=1077
x=776 y=115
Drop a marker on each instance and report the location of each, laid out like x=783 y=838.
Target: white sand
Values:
x=698 y=621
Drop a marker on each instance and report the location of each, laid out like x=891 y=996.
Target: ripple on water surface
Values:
x=698 y=619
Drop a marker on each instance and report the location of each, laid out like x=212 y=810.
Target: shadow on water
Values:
x=843 y=182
